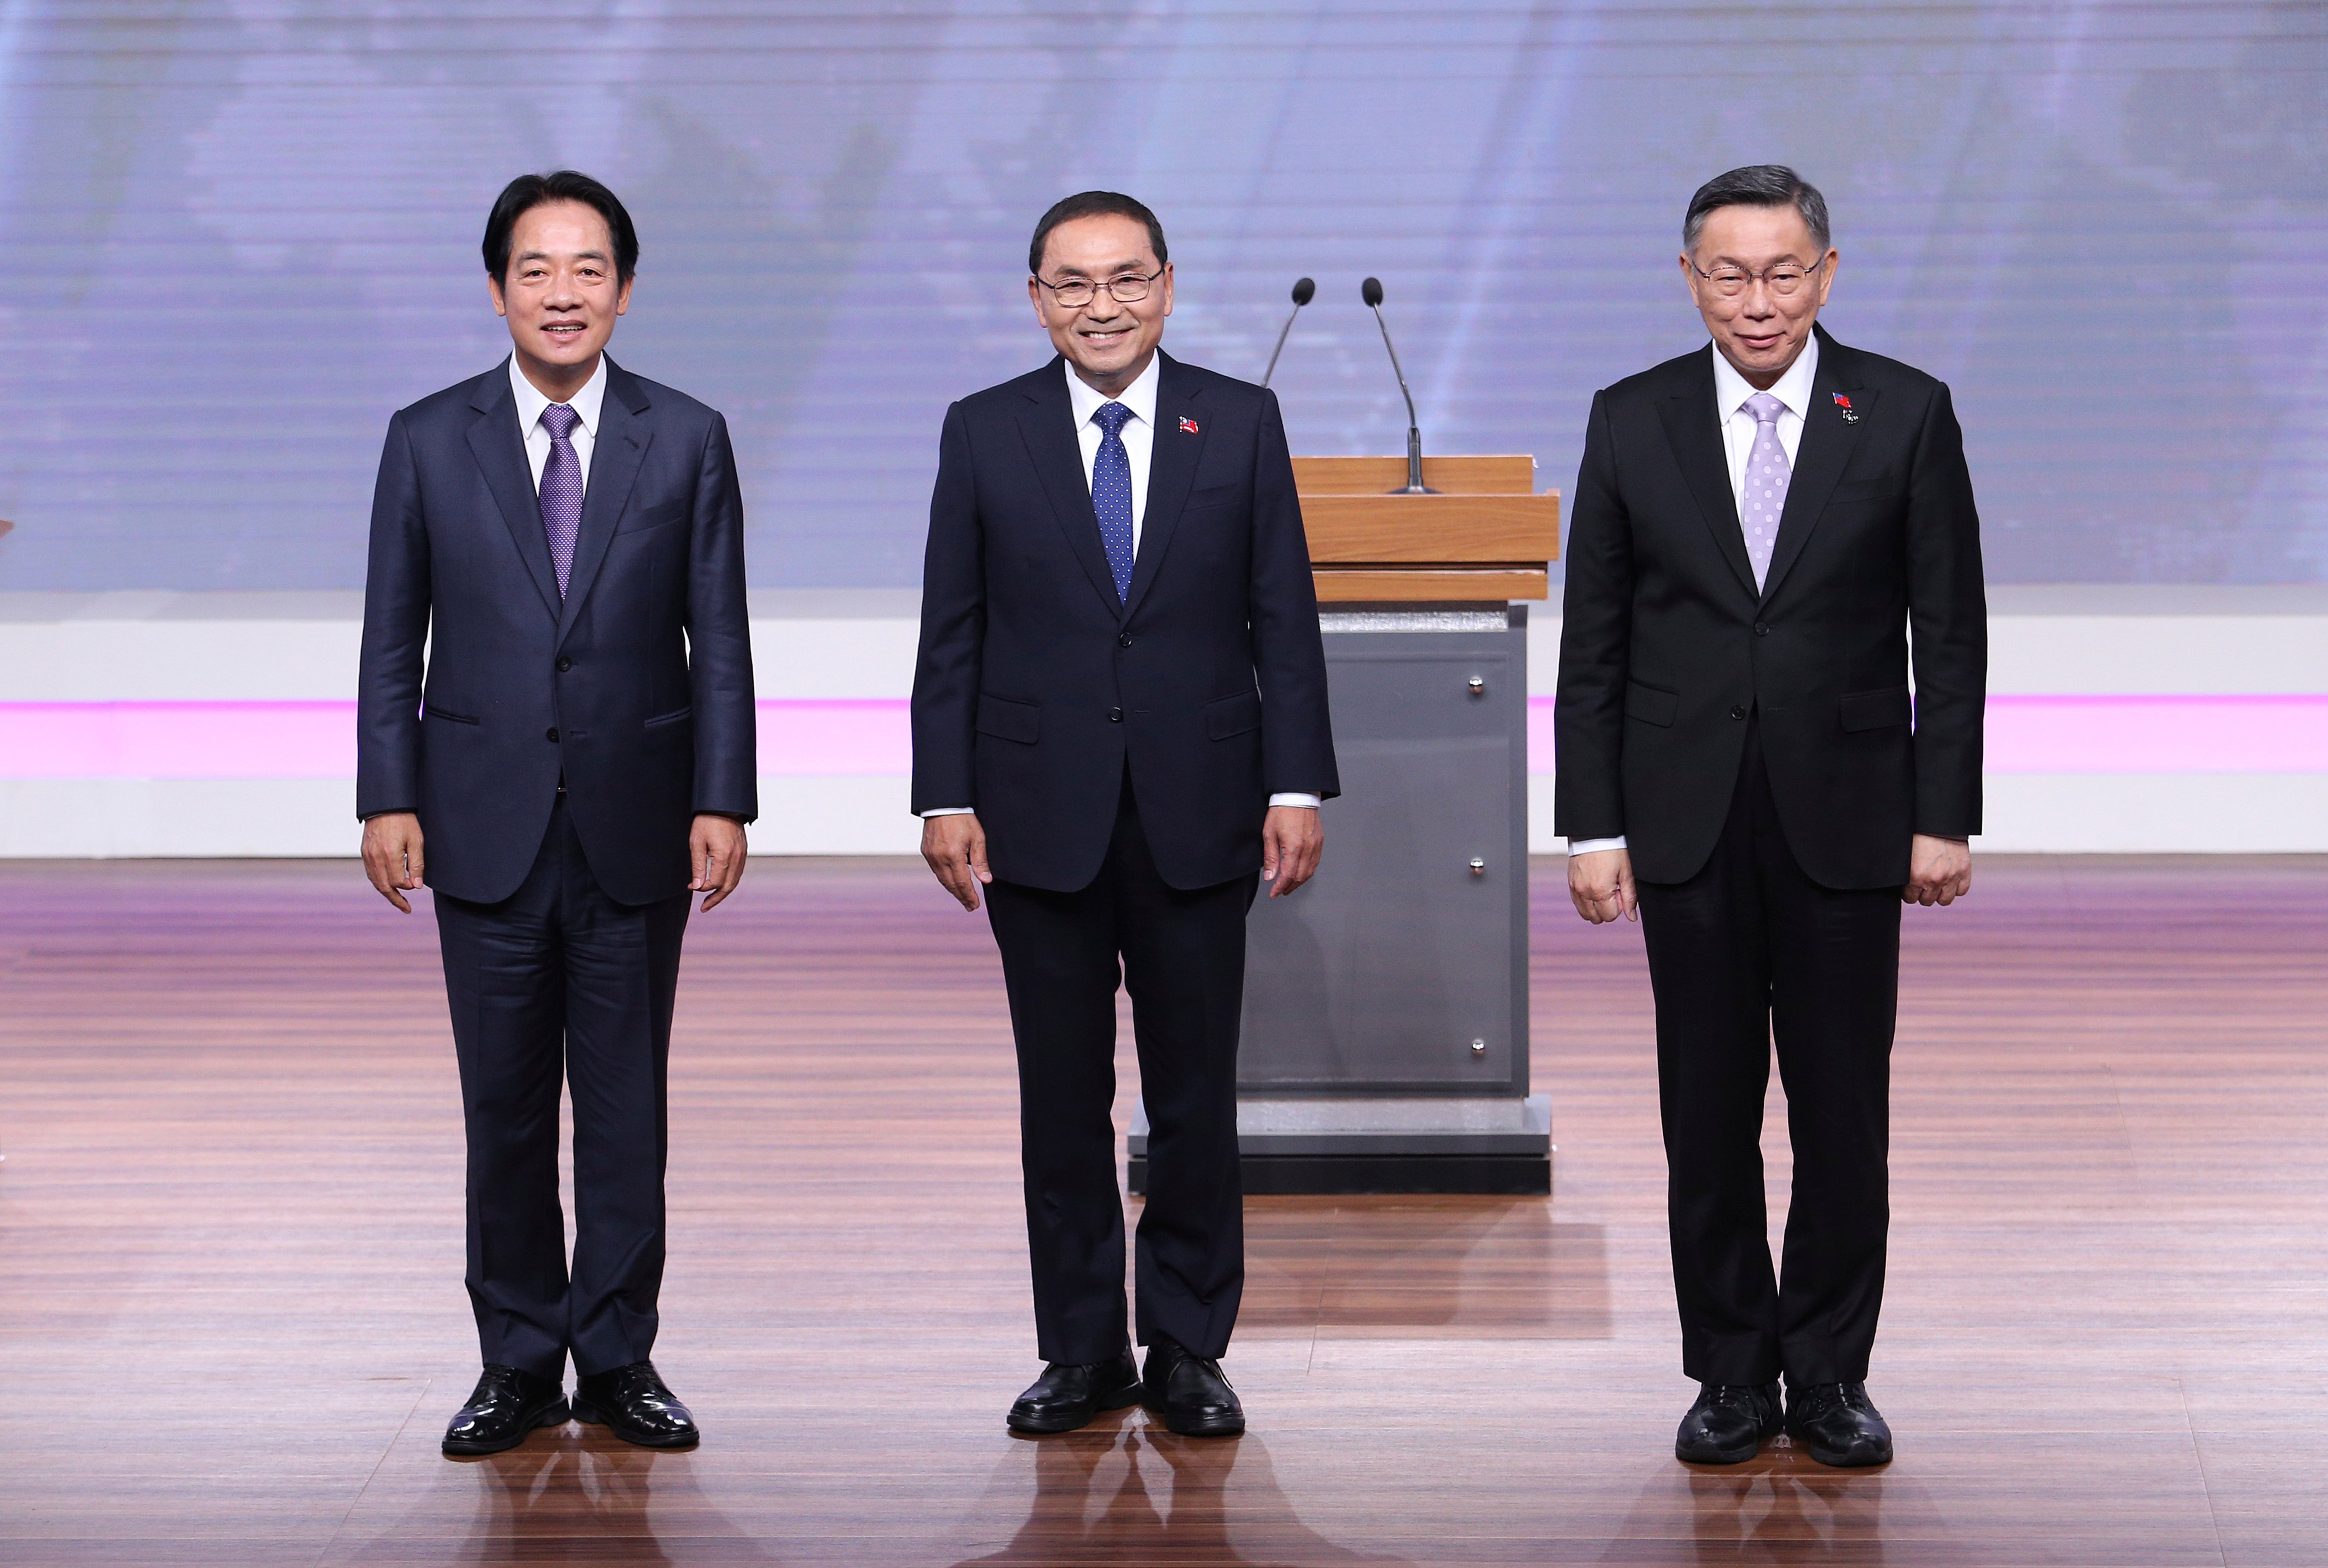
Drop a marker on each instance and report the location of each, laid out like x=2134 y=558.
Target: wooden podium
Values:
x=1385 y=1045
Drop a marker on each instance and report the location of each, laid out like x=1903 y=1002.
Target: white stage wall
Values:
x=2223 y=689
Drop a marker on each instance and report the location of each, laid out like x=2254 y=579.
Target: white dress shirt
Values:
x=1731 y=392
x=585 y=403
x=1139 y=436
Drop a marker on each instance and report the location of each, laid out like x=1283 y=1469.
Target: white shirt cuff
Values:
x=1595 y=845
x=1296 y=798
x=949 y=812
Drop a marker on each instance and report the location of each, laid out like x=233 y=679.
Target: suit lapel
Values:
x=500 y=453
x=1172 y=456
x=622 y=441
x=1694 y=429
x=1829 y=441
x=1046 y=424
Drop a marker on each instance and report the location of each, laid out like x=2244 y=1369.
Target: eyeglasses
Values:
x=1783 y=278
x=1129 y=288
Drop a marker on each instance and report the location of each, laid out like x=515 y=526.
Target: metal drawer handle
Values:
x=1478 y=866
x=1479 y=685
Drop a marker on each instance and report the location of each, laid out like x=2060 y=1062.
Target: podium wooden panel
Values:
x=1486 y=537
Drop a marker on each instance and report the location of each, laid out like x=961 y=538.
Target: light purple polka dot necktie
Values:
x=1763 y=498
x=562 y=490
x=1112 y=493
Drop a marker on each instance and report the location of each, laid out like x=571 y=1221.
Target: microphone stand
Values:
x=1414 y=485
x=1304 y=290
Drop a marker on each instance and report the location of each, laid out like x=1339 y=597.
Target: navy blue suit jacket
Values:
x=637 y=689
x=1037 y=689
x=1666 y=645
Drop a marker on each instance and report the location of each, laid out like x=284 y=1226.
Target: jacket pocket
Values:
x=1007 y=719
x=1212 y=495
x=1651 y=706
x=433 y=711
x=675 y=716
x=653 y=517
x=1876 y=710
x=1234 y=714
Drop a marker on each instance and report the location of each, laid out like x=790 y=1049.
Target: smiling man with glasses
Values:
x=1756 y=527
x=1120 y=733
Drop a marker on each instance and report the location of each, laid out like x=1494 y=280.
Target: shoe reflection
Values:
x=541 y=1500
x=1121 y=1491
x=1786 y=1506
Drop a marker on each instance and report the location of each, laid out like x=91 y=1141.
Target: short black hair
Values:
x=1756 y=185
x=526 y=192
x=1095 y=204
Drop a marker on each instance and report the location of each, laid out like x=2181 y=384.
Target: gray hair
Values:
x=1756 y=185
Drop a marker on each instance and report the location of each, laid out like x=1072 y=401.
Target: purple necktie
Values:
x=1112 y=493
x=1763 y=497
x=562 y=490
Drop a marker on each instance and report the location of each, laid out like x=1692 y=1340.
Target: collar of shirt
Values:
x=1793 y=388
x=585 y=403
x=1139 y=397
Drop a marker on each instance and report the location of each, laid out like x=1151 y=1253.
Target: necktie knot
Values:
x=560 y=419
x=1112 y=417
x=1765 y=408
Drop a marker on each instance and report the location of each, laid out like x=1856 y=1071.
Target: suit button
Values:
x=553 y=738
x=1738 y=713
x=1124 y=640
x=1115 y=716
x=1759 y=630
x=566 y=664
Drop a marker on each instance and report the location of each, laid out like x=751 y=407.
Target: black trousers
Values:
x=1747 y=950
x=1182 y=959
x=559 y=981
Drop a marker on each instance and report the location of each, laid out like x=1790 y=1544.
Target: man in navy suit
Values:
x=556 y=736
x=1757 y=527
x=1120 y=730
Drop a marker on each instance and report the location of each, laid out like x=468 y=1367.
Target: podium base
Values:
x=1269 y=1175
x=1388 y=1144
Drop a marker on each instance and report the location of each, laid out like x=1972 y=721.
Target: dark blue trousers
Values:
x=559 y=982
x=1180 y=954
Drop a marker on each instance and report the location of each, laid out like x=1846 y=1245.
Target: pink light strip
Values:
x=2129 y=735
x=869 y=737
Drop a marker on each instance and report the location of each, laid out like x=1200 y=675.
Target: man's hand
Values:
x=392 y=857
x=1292 y=840
x=1939 y=870
x=716 y=844
x=1600 y=886
x=955 y=847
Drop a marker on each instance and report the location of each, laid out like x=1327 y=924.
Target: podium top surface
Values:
x=1508 y=475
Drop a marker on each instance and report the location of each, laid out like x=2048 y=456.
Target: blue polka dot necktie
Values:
x=1112 y=493
x=562 y=490
x=1764 y=497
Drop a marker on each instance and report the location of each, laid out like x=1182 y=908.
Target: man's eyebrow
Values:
x=546 y=256
x=1116 y=269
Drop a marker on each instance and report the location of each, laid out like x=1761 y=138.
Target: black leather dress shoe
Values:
x=505 y=1405
x=1189 y=1393
x=1727 y=1424
x=636 y=1403
x=1067 y=1395
x=1839 y=1424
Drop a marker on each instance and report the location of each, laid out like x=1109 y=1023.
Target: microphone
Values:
x=1371 y=291
x=1304 y=291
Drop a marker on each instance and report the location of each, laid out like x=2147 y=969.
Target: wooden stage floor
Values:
x=231 y=1324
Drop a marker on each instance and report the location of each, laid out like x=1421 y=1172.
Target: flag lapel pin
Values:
x=1188 y=426
x=1850 y=414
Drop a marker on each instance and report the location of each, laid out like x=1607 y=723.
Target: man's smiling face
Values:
x=561 y=296
x=1108 y=342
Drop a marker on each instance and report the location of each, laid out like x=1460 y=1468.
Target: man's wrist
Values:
x=1595 y=846
x=1296 y=798
x=949 y=812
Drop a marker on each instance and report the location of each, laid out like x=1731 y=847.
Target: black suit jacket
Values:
x=1037 y=689
x=1667 y=646
x=637 y=689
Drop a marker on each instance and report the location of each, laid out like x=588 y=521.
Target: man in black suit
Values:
x=556 y=691
x=1756 y=528
x=1120 y=728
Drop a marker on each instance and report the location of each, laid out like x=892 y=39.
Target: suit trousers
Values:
x=560 y=981
x=1747 y=951
x=1180 y=954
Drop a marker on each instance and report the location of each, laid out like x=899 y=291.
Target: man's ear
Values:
x=494 y=288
